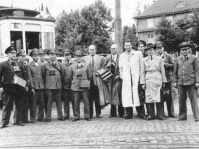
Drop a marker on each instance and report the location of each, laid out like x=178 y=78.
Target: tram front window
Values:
x=33 y=40
x=17 y=39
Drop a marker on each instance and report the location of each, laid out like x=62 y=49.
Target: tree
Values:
x=129 y=33
x=91 y=25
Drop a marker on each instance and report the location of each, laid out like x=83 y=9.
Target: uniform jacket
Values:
x=168 y=65
x=130 y=67
x=66 y=78
x=86 y=75
x=35 y=77
x=25 y=73
x=115 y=85
x=7 y=75
x=51 y=76
x=99 y=62
x=186 y=72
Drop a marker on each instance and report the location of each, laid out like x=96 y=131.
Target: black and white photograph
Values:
x=99 y=74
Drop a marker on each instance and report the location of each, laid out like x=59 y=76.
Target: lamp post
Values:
x=118 y=26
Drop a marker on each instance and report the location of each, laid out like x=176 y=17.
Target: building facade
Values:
x=173 y=10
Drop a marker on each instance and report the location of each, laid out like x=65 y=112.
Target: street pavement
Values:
x=105 y=132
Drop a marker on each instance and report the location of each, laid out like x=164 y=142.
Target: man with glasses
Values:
x=186 y=76
x=51 y=73
x=37 y=88
x=168 y=65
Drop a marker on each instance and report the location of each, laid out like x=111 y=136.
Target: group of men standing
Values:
x=78 y=78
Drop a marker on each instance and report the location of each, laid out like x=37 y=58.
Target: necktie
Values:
x=93 y=62
x=151 y=57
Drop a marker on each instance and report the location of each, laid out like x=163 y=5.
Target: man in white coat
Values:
x=130 y=67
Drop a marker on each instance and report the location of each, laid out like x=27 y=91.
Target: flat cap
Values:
x=184 y=45
x=34 y=52
x=79 y=53
x=140 y=42
x=10 y=49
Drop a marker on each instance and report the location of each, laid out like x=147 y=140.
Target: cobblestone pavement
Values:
x=104 y=133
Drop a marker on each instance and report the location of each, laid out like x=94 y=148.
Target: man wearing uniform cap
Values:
x=21 y=55
x=51 y=73
x=80 y=73
x=37 y=88
x=66 y=82
x=186 y=76
x=11 y=92
x=41 y=56
x=168 y=65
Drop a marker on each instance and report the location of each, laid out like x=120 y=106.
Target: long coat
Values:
x=130 y=67
x=115 y=85
x=153 y=75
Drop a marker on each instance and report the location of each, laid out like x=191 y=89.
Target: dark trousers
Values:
x=140 y=110
x=192 y=93
x=54 y=94
x=159 y=109
x=129 y=112
x=8 y=99
x=25 y=101
x=94 y=96
x=113 y=111
x=169 y=102
x=76 y=100
x=37 y=100
x=66 y=96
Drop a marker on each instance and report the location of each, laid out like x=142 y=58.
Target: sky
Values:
x=128 y=7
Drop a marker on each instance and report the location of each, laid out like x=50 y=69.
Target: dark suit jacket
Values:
x=7 y=75
x=108 y=59
x=186 y=72
x=35 y=77
x=168 y=65
x=51 y=76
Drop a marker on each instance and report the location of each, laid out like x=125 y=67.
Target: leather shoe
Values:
x=26 y=121
x=47 y=120
x=160 y=118
x=197 y=120
x=3 y=126
x=143 y=117
x=172 y=116
x=128 y=117
x=98 y=116
x=75 y=119
x=61 y=119
x=40 y=120
x=111 y=116
x=65 y=118
x=20 y=124
x=150 y=118
x=88 y=119
x=182 y=119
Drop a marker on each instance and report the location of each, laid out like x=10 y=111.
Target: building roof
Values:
x=164 y=7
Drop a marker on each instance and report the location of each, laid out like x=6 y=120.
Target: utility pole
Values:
x=118 y=26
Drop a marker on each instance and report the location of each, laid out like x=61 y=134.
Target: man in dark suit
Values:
x=11 y=92
x=168 y=65
x=112 y=63
x=51 y=73
x=66 y=82
x=96 y=62
x=186 y=76
x=37 y=88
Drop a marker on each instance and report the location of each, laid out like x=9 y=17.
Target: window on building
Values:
x=180 y=4
x=150 y=23
x=150 y=36
x=170 y=19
